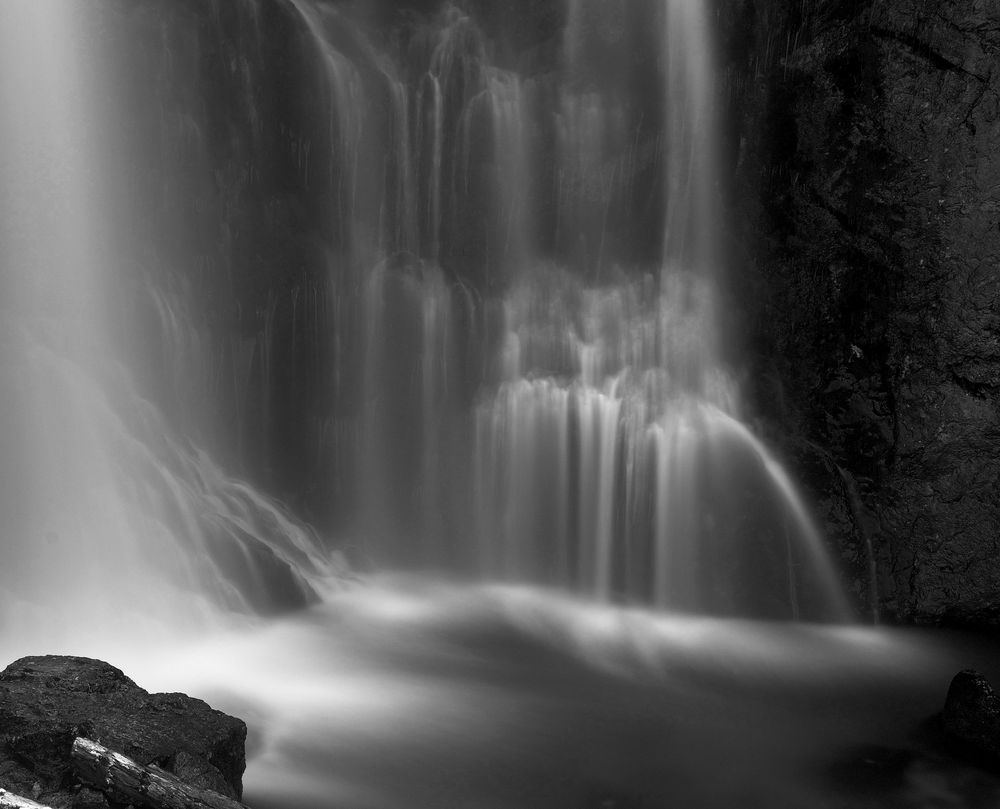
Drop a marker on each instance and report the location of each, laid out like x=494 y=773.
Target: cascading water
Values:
x=114 y=523
x=543 y=395
x=516 y=339
x=450 y=284
x=611 y=461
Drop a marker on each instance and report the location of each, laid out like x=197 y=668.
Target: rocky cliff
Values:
x=869 y=192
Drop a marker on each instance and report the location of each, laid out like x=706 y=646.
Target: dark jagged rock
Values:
x=124 y=781
x=971 y=719
x=46 y=702
x=868 y=176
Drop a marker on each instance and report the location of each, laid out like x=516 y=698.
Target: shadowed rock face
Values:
x=45 y=702
x=971 y=719
x=868 y=175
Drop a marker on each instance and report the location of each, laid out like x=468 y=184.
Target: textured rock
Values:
x=971 y=718
x=871 y=174
x=45 y=702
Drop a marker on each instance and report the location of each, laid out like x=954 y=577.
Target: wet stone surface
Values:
x=47 y=701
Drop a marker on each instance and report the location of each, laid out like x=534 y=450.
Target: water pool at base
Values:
x=411 y=693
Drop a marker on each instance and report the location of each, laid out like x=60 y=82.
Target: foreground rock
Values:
x=124 y=782
x=47 y=702
x=970 y=720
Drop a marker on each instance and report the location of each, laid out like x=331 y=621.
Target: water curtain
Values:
x=486 y=341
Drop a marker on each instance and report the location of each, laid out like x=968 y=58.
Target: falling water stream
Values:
x=574 y=568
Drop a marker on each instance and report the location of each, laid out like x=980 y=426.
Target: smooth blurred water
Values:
x=546 y=411
x=412 y=693
x=405 y=692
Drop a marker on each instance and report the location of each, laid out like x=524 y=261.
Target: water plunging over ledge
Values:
x=453 y=289
x=539 y=403
x=611 y=460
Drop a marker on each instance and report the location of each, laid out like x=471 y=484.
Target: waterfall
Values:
x=540 y=404
x=117 y=523
x=442 y=288
x=370 y=366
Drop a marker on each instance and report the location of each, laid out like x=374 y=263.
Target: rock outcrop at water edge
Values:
x=46 y=702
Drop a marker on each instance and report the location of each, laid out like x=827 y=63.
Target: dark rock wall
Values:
x=869 y=195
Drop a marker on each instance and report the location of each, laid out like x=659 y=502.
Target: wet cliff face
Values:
x=869 y=194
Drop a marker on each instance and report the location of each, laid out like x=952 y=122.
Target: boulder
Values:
x=46 y=702
x=971 y=719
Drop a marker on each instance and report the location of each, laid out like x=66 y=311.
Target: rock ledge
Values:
x=46 y=702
